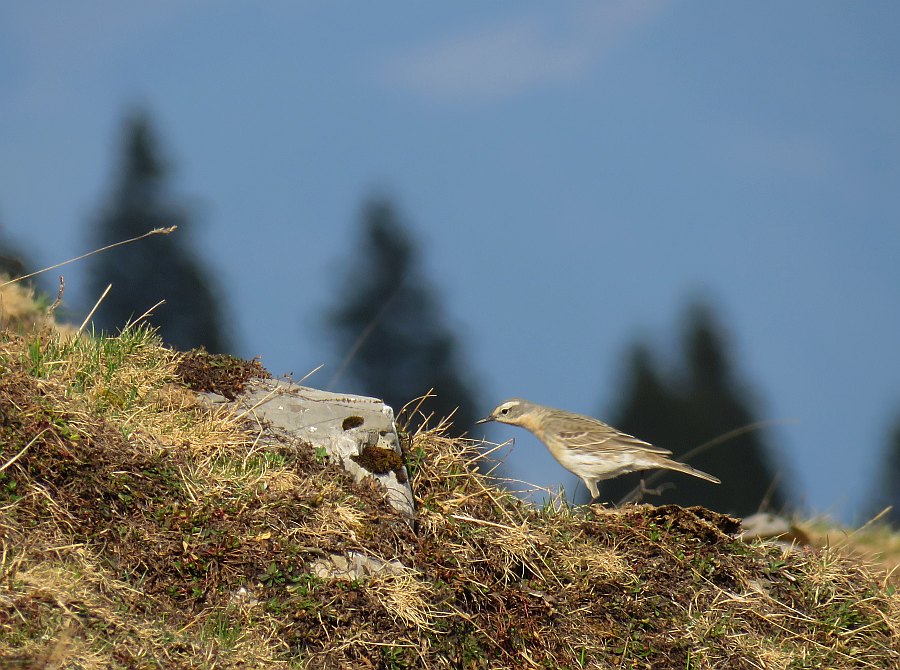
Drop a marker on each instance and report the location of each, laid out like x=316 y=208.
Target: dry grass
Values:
x=875 y=543
x=22 y=310
x=142 y=529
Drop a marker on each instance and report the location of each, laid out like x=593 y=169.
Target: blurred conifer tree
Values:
x=389 y=329
x=161 y=267
x=683 y=410
x=888 y=493
x=13 y=262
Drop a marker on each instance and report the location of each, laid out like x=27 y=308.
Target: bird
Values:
x=587 y=447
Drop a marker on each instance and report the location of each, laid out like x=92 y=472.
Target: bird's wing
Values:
x=585 y=433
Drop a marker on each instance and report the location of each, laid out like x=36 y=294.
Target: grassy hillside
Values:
x=144 y=529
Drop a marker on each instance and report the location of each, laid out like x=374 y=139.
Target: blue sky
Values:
x=574 y=172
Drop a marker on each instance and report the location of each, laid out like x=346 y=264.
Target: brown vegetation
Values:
x=142 y=528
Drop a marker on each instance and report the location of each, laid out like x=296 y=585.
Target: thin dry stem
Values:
x=155 y=231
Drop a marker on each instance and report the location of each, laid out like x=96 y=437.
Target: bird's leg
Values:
x=658 y=491
x=593 y=490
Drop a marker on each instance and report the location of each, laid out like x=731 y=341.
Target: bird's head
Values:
x=510 y=411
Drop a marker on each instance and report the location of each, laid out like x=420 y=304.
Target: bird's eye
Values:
x=505 y=410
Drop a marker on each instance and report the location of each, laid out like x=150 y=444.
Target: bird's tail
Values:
x=688 y=470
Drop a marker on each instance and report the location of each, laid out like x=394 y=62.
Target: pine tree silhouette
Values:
x=161 y=267
x=888 y=493
x=13 y=262
x=23 y=305
x=389 y=329
x=684 y=410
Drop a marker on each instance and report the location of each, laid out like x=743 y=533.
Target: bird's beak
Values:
x=485 y=419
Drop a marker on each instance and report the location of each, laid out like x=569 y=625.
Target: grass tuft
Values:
x=141 y=528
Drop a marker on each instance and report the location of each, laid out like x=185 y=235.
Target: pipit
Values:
x=586 y=446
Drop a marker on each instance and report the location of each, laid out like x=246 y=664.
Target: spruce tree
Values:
x=162 y=267
x=700 y=401
x=389 y=330
x=22 y=305
x=13 y=262
x=889 y=490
